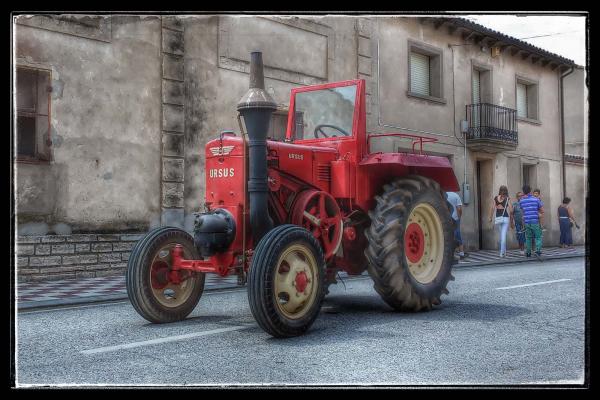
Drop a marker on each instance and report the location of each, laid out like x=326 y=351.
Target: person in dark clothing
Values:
x=566 y=220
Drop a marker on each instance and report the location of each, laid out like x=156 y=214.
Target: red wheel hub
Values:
x=350 y=233
x=301 y=281
x=159 y=275
x=414 y=243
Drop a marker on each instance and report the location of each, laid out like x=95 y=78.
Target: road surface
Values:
x=501 y=324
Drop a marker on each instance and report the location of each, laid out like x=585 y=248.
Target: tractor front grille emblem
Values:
x=221 y=151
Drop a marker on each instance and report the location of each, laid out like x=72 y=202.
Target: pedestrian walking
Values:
x=516 y=222
x=532 y=209
x=501 y=209
x=566 y=219
x=454 y=199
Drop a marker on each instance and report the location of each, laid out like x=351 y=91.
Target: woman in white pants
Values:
x=500 y=213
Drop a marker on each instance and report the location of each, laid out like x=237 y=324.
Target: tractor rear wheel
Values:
x=156 y=292
x=411 y=244
x=286 y=281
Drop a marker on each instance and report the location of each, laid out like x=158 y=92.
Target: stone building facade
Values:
x=576 y=151
x=118 y=109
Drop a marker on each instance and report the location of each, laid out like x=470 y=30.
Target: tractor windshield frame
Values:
x=352 y=125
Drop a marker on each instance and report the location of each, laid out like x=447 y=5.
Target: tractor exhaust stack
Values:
x=256 y=107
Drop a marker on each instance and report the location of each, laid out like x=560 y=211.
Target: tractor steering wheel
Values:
x=319 y=130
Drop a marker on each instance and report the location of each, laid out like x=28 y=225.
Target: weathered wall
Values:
x=109 y=151
x=55 y=257
x=105 y=128
x=576 y=135
x=577 y=190
x=575 y=114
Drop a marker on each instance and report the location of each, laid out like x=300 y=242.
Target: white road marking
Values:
x=164 y=340
x=532 y=284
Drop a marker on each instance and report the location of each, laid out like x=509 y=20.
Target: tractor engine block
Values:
x=213 y=231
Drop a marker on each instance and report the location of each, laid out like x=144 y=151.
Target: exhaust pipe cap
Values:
x=256 y=97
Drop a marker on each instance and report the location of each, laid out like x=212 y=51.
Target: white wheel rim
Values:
x=295 y=281
x=424 y=243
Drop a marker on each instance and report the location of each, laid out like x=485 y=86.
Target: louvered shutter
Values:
x=476 y=90
x=419 y=74
x=476 y=87
x=521 y=100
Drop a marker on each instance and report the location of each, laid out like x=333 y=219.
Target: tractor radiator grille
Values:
x=324 y=172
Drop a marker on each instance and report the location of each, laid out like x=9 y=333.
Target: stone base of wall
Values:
x=54 y=257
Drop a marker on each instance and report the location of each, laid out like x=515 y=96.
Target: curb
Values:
x=516 y=261
x=31 y=305
x=34 y=305
x=47 y=304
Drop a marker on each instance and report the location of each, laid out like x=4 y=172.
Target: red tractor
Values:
x=286 y=216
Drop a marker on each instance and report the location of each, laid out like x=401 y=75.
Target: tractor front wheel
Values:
x=158 y=293
x=286 y=281
x=411 y=244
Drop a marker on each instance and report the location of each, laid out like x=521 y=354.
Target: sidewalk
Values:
x=111 y=288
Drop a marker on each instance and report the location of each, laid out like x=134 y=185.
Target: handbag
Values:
x=500 y=219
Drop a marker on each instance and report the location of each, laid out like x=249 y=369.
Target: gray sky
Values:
x=566 y=33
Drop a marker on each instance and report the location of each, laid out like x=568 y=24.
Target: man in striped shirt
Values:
x=533 y=209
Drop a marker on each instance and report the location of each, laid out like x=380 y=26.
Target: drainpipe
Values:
x=464 y=136
x=562 y=131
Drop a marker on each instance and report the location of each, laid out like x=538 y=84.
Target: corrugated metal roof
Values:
x=509 y=40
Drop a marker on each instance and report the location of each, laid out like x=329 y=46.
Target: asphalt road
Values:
x=502 y=324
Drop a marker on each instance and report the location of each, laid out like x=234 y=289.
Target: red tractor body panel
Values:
x=356 y=168
x=286 y=216
x=225 y=176
x=379 y=168
x=340 y=166
x=310 y=164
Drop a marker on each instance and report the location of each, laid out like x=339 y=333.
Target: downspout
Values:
x=562 y=131
x=454 y=113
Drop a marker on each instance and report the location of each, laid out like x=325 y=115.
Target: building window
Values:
x=425 y=72
x=527 y=100
x=419 y=74
x=529 y=175
x=33 y=114
x=481 y=84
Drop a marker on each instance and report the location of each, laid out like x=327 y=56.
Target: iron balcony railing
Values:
x=489 y=121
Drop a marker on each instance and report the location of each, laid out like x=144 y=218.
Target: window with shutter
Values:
x=521 y=100
x=33 y=114
x=419 y=74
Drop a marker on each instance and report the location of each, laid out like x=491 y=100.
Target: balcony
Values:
x=491 y=128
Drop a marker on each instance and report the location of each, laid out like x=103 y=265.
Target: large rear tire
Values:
x=411 y=244
x=286 y=281
x=149 y=289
